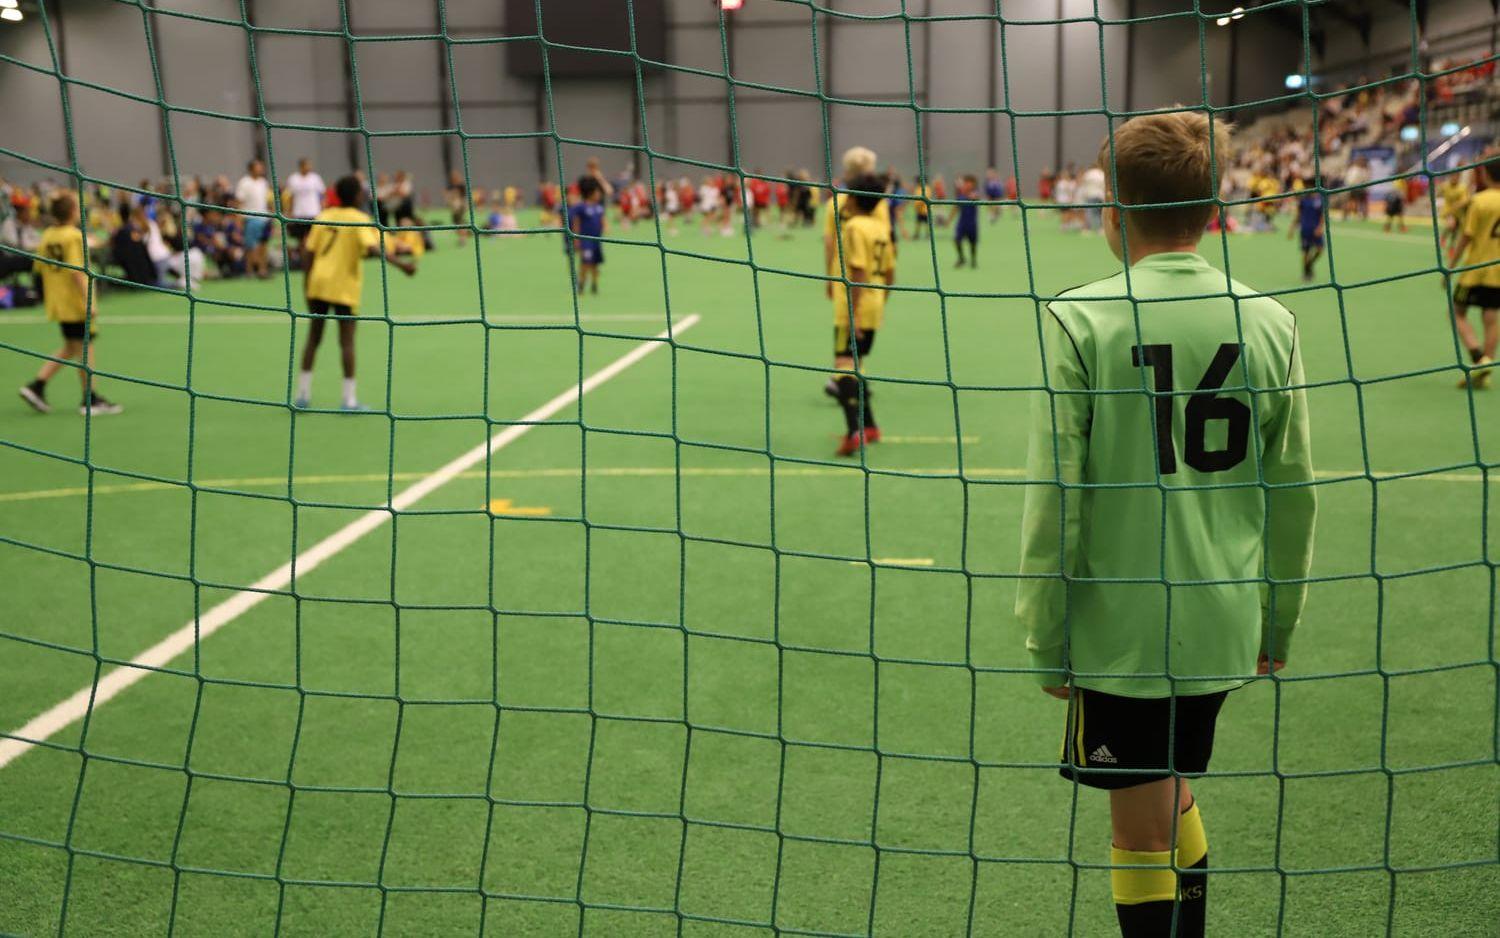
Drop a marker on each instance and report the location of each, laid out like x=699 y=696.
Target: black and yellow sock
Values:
x=1192 y=882
x=1143 y=897
x=848 y=387
x=1146 y=899
x=854 y=397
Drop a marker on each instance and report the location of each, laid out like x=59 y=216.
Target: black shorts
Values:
x=864 y=341
x=297 y=230
x=325 y=308
x=1482 y=297
x=75 y=331
x=1107 y=733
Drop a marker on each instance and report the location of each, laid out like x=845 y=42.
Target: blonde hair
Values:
x=858 y=161
x=1164 y=159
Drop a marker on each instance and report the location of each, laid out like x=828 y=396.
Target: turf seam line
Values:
x=89 y=698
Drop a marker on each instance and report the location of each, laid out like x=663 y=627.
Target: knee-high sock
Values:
x=1143 y=897
x=1192 y=885
x=1147 y=899
x=854 y=397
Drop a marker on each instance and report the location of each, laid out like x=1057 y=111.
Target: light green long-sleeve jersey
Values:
x=1169 y=521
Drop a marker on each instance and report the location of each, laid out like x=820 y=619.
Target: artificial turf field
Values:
x=663 y=684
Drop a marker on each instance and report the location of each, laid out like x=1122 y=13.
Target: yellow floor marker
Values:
x=506 y=506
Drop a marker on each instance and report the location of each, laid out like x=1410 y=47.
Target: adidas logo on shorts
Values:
x=1102 y=754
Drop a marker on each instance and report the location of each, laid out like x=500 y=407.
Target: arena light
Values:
x=1448 y=129
x=1238 y=13
x=10 y=13
x=1410 y=133
x=729 y=6
x=9 y=4
x=1293 y=82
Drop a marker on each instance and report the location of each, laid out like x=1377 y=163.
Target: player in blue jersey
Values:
x=586 y=222
x=994 y=192
x=1311 y=212
x=966 y=211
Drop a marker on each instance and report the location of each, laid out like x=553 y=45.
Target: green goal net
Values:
x=580 y=626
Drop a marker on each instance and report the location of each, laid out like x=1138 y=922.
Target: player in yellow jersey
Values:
x=858 y=162
x=72 y=303
x=921 y=207
x=1455 y=205
x=333 y=255
x=869 y=258
x=1478 y=250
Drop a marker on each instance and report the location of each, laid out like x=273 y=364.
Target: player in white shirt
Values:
x=1066 y=193
x=672 y=204
x=253 y=194
x=1091 y=190
x=304 y=195
x=708 y=203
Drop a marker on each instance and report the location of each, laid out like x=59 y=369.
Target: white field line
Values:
x=597 y=472
x=276 y=317
x=61 y=715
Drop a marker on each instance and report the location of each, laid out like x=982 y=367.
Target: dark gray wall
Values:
x=1454 y=27
x=876 y=67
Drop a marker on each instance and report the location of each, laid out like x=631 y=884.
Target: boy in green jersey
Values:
x=1167 y=538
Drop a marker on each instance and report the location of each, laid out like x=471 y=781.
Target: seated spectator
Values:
x=184 y=269
x=221 y=242
x=128 y=250
x=18 y=230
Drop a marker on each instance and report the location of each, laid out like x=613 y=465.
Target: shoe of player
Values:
x=1483 y=370
x=95 y=406
x=850 y=445
x=353 y=407
x=35 y=394
x=1478 y=376
x=302 y=403
x=872 y=434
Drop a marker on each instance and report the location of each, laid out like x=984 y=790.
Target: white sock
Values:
x=349 y=399
x=304 y=385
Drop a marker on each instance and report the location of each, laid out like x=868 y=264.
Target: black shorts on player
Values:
x=1119 y=742
x=75 y=331
x=864 y=341
x=1482 y=297
x=325 y=308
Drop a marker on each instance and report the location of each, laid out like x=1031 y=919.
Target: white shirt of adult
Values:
x=156 y=245
x=252 y=194
x=307 y=194
x=1091 y=185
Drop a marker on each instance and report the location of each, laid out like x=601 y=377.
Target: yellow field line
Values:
x=564 y=472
